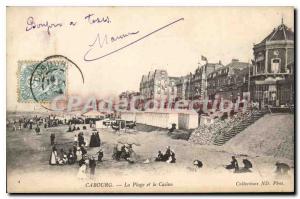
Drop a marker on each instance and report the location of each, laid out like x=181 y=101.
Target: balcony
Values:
x=270 y=74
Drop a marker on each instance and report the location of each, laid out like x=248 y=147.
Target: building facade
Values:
x=229 y=82
x=172 y=93
x=129 y=96
x=199 y=80
x=272 y=82
x=184 y=87
x=158 y=85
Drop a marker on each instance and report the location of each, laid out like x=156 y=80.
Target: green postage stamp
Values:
x=41 y=81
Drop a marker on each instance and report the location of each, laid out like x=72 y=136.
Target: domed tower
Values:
x=273 y=72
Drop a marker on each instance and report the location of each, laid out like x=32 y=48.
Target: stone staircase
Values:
x=236 y=129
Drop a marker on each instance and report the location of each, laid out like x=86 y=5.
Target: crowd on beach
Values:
x=78 y=152
x=35 y=122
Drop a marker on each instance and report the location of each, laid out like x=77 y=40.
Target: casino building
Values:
x=272 y=80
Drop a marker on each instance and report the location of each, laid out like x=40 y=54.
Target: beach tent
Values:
x=93 y=114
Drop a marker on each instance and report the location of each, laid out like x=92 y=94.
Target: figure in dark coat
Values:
x=37 y=130
x=100 y=155
x=52 y=138
x=81 y=139
x=74 y=152
x=167 y=154
x=233 y=165
x=93 y=140
x=92 y=165
x=83 y=150
x=198 y=163
x=172 y=158
x=71 y=157
x=247 y=165
x=160 y=157
x=81 y=162
x=98 y=140
x=124 y=154
x=282 y=168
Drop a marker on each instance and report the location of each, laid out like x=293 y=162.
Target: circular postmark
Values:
x=48 y=79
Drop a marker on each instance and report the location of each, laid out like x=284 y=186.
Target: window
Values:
x=260 y=67
x=275 y=65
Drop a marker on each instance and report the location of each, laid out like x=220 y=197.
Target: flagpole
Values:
x=248 y=77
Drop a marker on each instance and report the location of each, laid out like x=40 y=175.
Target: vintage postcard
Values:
x=150 y=99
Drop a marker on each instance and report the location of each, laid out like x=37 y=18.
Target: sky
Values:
x=218 y=33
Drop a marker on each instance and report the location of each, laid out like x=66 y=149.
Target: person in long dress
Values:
x=53 y=157
x=82 y=172
x=81 y=139
x=75 y=152
x=93 y=140
x=78 y=154
x=75 y=139
x=92 y=165
x=98 y=140
x=52 y=138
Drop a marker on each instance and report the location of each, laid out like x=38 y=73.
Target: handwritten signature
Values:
x=98 y=43
x=106 y=41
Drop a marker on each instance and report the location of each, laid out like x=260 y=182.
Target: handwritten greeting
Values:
x=101 y=40
x=33 y=24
